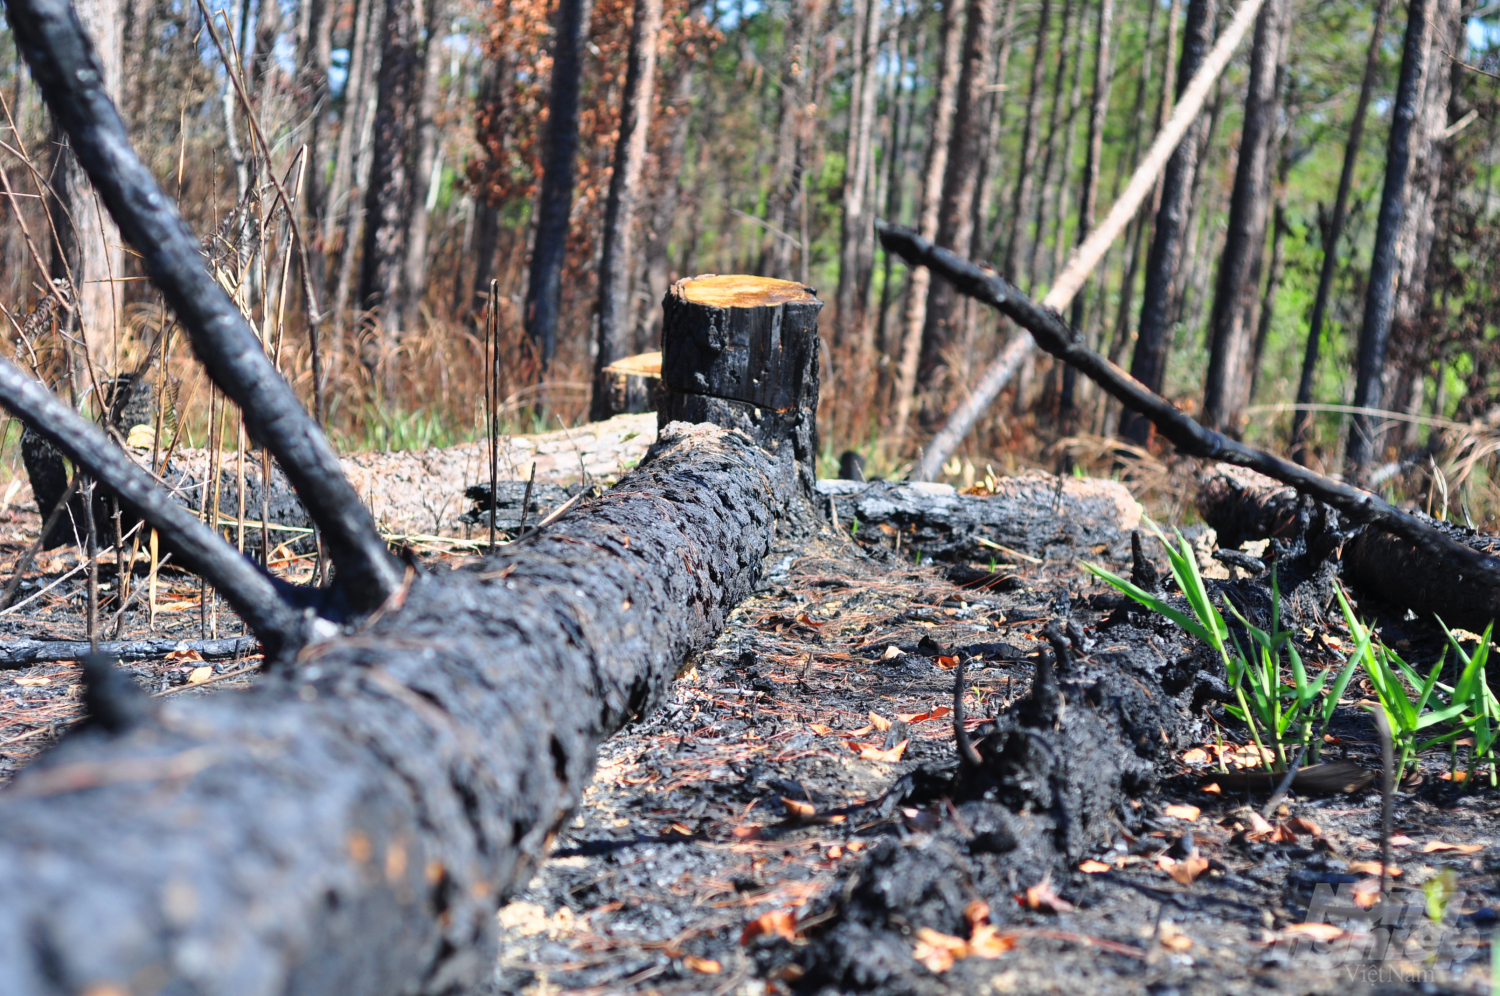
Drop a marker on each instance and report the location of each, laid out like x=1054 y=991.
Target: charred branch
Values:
x=15 y=654
x=67 y=70
x=250 y=592
x=1053 y=334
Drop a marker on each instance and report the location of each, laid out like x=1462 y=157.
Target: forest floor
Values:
x=727 y=833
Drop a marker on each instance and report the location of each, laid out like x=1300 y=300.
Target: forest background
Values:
x=380 y=185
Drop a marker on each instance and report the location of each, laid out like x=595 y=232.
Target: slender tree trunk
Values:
x=986 y=229
x=353 y=100
x=1385 y=263
x=857 y=223
x=1226 y=390
x=956 y=213
x=1088 y=203
x=1039 y=239
x=1273 y=289
x=1070 y=132
x=554 y=207
x=389 y=194
x=617 y=258
x=1149 y=363
x=87 y=252
x=358 y=127
x=426 y=162
x=1302 y=418
x=316 y=60
x=785 y=204
x=941 y=114
x=1022 y=190
x=897 y=162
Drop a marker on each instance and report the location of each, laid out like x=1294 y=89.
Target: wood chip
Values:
x=1183 y=811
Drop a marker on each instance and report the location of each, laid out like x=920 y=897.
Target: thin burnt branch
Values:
x=64 y=65
x=197 y=547
x=1056 y=336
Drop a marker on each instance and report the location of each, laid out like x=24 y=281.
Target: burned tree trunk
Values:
x=1242 y=505
x=351 y=826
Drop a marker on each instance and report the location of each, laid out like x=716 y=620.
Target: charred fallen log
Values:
x=351 y=826
x=1241 y=505
x=28 y=653
x=1031 y=514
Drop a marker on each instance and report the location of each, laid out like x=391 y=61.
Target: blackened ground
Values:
x=692 y=831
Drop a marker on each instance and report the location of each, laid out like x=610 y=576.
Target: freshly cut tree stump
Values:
x=742 y=351
x=1242 y=505
x=1031 y=514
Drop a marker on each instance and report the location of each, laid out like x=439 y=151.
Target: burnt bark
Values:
x=351 y=825
x=1242 y=505
x=855 y=230
x=1148 y=364
x=426 y=156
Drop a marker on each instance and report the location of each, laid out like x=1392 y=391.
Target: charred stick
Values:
x=967 y=755
x=198 y=548
x=1053 y=334
x=17 y=654
x=64 y=65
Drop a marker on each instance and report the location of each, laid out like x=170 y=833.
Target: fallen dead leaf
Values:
x=891 y=653
x=922 y=717
x=1401 y=840
x=888 y=756
x=1454 y=776
x=1171 y=938
x=184 y=657
x=1196 y=756
x=705 y=965
x=879 y=722
x=1317 y=931
x=798 y=810
x=31 y=682
x=1212 y=788
x=938 y=951
x=1258 y=823
x=1433 y=846
x=1183 y=811
x=1304 y=826
x=778 y=922
x=200 y=674
x=1366 y=892
x=1092 y=867
x=947 y=663
x=1042 y=897
x=1186 y=871
x=989 y=942
x=1373 y=868
x=819 y=729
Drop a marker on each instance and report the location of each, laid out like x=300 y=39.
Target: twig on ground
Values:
x=1387 y=790
x=1286 y=783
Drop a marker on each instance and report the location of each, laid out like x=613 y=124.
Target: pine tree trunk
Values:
x=1273 y=289
x=389 y=193
x=1386 y=263
x=1149 y=363
x=617 y=258
x=316 y=60
x=986 y=229
x=356 y=128
x=1044 y=194
x=941 y=114
x=956 y=212
x=87 y=252
x=897 y=157
x=1070 y=133
x=425 y=162
x=1022 y=190
x=785 y=205
x=554 y=207
x=1302 y=418
x=857 y=225
x=1226 y=390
